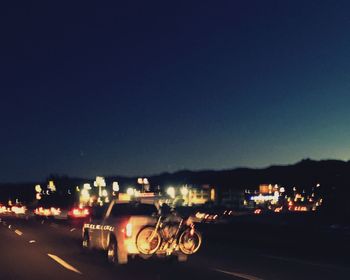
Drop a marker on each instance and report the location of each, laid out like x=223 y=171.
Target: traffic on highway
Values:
x=142 y=237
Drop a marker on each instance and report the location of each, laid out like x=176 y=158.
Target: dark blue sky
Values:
x=91 y=88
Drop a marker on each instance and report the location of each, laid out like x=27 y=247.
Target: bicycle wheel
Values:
x=148 y=241
x=189 y=243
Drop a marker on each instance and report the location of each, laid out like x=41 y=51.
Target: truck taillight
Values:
x=128 y=230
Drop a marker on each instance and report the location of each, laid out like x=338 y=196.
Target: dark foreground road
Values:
x=31 y=249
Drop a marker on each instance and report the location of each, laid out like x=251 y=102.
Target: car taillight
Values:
x=55 y=211
x=76 y=212
x=128 y=230
x=80 y=212
x=86 y=212
x=39 y=211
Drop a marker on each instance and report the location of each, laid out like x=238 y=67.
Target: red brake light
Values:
x=76 y=212
x=80 y=212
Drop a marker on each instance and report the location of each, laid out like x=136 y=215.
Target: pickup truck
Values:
x=114 y=229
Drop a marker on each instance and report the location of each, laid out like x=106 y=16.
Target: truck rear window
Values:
x=133 y=210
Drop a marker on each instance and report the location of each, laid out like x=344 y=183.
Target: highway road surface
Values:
x=32 y=249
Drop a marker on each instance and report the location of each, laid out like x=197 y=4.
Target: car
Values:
x=47 y=211
x=61 y=208
x=79 y=212
x=18 y=209
x=49 y=208
x=114 y=229
x=4 y=210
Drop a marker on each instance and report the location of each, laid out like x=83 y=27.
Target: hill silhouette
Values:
x=333 y=175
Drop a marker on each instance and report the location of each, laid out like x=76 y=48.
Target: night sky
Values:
x=145 y=87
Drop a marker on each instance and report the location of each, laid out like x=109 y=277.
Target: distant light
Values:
x=142 y=181
x=184 y=191
x=200 y=215
x=99 y=201
x=104 y=193
x=130 y=191
x=265 y=198
x=100 y=182
x=137 y=193
x=38 y=188
x=257 y=211
x=212 y=194
x=115 y=187
x=85 y=195
x=55 y=211
x=171 y=192
x=87 y=187
x=52 y=186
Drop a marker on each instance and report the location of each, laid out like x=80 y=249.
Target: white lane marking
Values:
x=303 y=262
x=239 y=275
x=32 y=241
x=64 y=264
x=18 y=232
x=9 y=226
x=54 y=225
x=73 y=229
x=42 y=222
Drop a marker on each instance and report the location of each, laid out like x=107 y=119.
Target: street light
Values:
x=144 y=183
x=38 y=188
x=115 y=187
x=99 y=183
